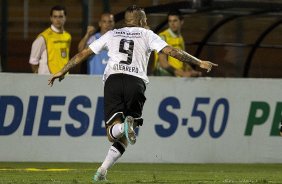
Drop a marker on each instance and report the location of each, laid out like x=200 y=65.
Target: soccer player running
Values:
x=125 y=78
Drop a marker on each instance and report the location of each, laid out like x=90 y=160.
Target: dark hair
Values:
x=133 y=8
x=58 y=8
x=176 y=13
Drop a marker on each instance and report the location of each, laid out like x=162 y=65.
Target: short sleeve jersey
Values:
x=129 y=50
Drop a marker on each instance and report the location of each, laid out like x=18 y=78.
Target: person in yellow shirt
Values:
x=169 y=66
x=50 y=50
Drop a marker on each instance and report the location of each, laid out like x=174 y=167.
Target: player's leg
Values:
x=115 y=127
x=119 y=129
x=134 y=100
x=114 y=153
x=113 y=107
x=126 y=94
x=117 y=98
x=115 y=134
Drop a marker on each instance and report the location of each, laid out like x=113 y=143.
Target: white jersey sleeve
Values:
x=101 y=44
x=155 y=42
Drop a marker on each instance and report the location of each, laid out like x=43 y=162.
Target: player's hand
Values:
x=207 y=65
x=58 y=75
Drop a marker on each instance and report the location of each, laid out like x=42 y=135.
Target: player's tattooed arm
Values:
x=78 y=58
x=181 y=55
x=187 y=58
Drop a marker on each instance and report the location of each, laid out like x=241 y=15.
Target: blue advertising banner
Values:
x=196 y=120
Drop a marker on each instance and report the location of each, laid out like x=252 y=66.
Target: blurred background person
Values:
x=50 y=50
x=168 y=66
x=96 y=64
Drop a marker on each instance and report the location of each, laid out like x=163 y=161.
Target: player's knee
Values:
x=110 y=138
x=110 y=135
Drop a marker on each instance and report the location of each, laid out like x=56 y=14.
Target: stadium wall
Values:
x=201 y=120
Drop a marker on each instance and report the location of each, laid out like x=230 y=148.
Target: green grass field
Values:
x=72 y=173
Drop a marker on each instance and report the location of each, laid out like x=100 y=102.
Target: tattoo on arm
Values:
x=78 y=58
x=69 y=65
x=182 y=56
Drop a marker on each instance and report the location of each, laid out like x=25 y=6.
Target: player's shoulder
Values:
x=146 y=32
x=109 y=33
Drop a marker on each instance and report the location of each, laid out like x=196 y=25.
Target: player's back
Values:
x=129 y=50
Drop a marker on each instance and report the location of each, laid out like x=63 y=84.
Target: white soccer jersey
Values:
x=129 y=50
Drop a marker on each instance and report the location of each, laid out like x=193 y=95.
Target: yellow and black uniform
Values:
x=176 y=41
x=58 y=49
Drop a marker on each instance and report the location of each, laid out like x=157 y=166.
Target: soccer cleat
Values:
x=100 y=175
x=129 y=130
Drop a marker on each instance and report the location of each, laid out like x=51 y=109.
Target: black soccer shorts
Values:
x=124 y=93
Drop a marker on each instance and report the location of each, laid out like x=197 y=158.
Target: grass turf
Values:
x=73 y=173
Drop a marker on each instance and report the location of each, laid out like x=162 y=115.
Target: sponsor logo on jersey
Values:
x=128 y=34
x=63 y=52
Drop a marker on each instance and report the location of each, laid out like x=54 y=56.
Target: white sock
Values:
x=117 y=130
x=112 y=156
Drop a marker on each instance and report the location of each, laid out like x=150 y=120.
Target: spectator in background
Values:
x=166 y=65
x=50 y=50
x=97 y=64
